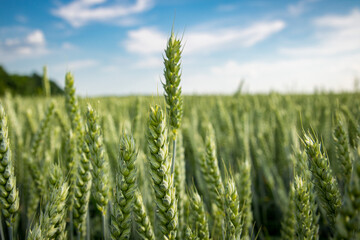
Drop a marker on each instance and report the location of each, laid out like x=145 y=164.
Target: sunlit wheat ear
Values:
x=9 y=195
x=353 y=128
x=347 y=221
x=40 y=133
x=302 y=209
x=302 y=170
x=243 y=180
x=172 y=74
x=35 y=233
x=120 y=226
x=233 y=212
x=189 y=235
x=198 y=215
x=72 y=105
x=55 y=211
x=100 y=169
x=326 y=185
x=288 y=223
x=213 y=177
x=35 y=161
x=342 y=149
x=160 y=172
x=143 y=227
x=82 y=194
x=52 y=222
x=121 y=216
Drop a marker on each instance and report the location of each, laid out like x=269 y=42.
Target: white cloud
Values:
x=300 y=75
x=81 y=12
x=27 y=44
x=300 y=7
x=334 y=35
x=150 y=41
x=145 y=41
x=36 y=38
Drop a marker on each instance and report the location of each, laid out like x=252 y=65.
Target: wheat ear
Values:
x=213 y=177
x=302 y=209
x=189 y=235
x=160 y=172
x=342 y=149
x=94 y=141
x=347 y=221
x=245 y=197
x=302 y=170
x=199 y=215
x=52 y=222
x=141 y=218
x=125 y=189
x=288 y=223
x=232 y=211
x=57 y=214
x=171 y=86
x=9 y=195
x=82 y=190
x=326 y=185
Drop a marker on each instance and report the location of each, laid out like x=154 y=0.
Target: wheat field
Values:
x=261 y=166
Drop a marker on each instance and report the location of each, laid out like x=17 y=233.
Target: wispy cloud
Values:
x=68 y=46
x=227 y=7
x=211 y=41
x=299 y=7
x=81 y=12
x=150 y=42
x=32 y=44
x=21 y=18
x=334 y=35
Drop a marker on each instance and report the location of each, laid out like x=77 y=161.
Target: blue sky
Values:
x=115 y=47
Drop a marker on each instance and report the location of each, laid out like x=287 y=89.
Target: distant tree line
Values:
x=25 y=85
